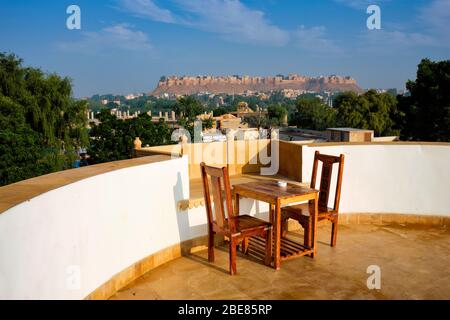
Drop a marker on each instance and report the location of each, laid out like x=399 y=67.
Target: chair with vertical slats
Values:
x=238 y=228
x=302 y=212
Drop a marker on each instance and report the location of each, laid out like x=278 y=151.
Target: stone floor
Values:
x=414 y=262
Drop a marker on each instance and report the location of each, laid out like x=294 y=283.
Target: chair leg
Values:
x=334 y=226
x=310 y=236
x=284 y=227
x=269 y=246
x=232 y=256
x=211 y=246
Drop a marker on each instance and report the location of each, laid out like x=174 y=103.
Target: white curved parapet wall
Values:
x=390 y=178
x=67 y=242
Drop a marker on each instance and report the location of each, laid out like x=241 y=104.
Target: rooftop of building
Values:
x=348 y=129
x=136 y=228
x=413 y=261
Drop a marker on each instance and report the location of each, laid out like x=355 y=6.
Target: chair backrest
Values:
x=325 y=179
x=217 y=175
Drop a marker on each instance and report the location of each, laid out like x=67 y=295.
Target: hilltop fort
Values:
x=245 y=84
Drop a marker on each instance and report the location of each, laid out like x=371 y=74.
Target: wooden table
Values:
x=276 y=196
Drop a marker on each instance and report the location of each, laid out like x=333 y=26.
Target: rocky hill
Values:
x=245 y=84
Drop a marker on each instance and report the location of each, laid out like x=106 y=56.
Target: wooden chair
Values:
x=301 y=212
x=238 y=228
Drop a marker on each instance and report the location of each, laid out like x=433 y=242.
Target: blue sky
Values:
x=125 y=46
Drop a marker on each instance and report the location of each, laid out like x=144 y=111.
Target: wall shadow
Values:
x=185 y=230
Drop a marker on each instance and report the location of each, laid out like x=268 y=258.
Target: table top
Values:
x=269 y=191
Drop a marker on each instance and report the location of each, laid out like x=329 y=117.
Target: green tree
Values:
x=427 y=109
x=189 y=108
x=220 y=111
x=21 y=153
x=261 y=122
x=313 y=114
x=371 y=110
x=41 y=125
x=207 y=123
x=112 y=139
x=111 y=105
x=277 y=113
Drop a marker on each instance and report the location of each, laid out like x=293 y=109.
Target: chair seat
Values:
x=303 y=211
x=245 y=223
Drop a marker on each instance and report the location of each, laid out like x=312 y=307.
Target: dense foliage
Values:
x=371 y=110
x=427 y=108
x=277 y=112
x=189 y=108
x=112 y=138
x=421 y=115
x=313 y=114
x=275 y=117
x=261 y=121
x=41 y=126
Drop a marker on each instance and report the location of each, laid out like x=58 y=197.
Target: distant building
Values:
x=291 y=93
x=132 y=96
x=349 y=135
x=302 y=135
x=227 y=121
x=249 y=85
x=243 y=108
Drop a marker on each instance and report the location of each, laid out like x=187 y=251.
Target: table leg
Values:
x=271 y=220
x=314 y=225
x=271 y=213
x=277 y=230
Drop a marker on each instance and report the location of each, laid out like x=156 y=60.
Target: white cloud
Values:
x=229 y=18
x=383 y=41
x=433 y=21
x=120 y=36
x=432 y=25
x=148 y=8
x=437 y=17
x=234 y=20
x=360 y=4
x=314 y=40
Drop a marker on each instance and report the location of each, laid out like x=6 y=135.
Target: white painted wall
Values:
x=104 y=224
x=100 y=225
x=390 y=178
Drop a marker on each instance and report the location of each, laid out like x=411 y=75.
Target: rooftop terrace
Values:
x=136 y=228
x=414 y=265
